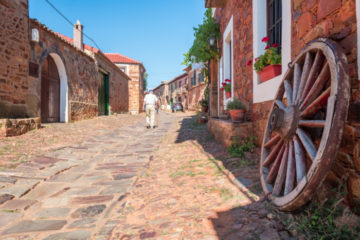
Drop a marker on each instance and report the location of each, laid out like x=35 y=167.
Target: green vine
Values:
x=200 y=51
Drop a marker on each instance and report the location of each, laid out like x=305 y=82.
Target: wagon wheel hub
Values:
x=285 y=121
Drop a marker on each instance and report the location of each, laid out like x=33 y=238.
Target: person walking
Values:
x=150 y=101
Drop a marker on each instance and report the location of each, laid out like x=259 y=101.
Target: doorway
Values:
x=50 y=92
x=103 y=94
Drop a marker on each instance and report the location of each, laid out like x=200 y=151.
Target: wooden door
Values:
x=103 y=94
x=50 y=92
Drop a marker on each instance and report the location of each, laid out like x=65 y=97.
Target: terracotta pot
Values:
x=228 y=94
x=204 y=109
x=269 y=72
x=237 y=115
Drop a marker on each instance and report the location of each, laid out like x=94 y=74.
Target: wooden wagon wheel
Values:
x=305 y=125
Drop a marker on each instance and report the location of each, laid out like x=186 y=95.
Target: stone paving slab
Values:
x=75 y=235
x=35 y=226
x=18 y=204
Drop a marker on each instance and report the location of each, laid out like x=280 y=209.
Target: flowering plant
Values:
x=270 y=57
x=226 y=86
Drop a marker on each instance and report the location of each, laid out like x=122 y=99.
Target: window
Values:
x=282 y=21
x=200 y=77
x=193 y=79
x=274 y=21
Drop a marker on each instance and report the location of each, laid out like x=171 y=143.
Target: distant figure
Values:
x=150 y=101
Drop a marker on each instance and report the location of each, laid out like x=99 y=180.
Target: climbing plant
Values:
x=200 y=51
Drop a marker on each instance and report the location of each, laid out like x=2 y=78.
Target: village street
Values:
x=133 y=183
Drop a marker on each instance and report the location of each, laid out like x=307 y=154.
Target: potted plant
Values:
x=226 y=86
x=237 y=110
x=204 y=105
x=268 y=65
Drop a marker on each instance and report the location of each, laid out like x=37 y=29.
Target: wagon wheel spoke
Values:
x=317 y=104
x=300 y=160
x=307 y=143
x=297 y=77
x=314 y=73
x=270 y=158
x=318 y=86
x=281 y=105
x=280 y=179
x=304 y=75
x=289 y=92
x=290 y=172
x=312 y=123
x=275 y=167
x=272 y=141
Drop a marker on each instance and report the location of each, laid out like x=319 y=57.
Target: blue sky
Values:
x=156 y=32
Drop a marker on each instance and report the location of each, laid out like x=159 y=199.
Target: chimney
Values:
x=78 y=35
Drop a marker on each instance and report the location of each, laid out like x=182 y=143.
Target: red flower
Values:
x=249 y=63
x=256 y=59
x=222 y=89
x=227 y=80
x=275 y=45
x=265 y=39
x=267 y=47
x=224 y=84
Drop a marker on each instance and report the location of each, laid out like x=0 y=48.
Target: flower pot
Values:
x=228 y=94
x=269 y=72
x=237 y=115
x=204 y=109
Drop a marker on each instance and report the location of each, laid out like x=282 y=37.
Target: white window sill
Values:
x=266 y=91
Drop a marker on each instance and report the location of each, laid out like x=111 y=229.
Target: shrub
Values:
x=235 y=104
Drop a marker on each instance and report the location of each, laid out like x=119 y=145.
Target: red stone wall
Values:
x=195 y=93
x=119 y=85
x=136 y=91
x=242 y=44
x=81 y=71
x=14 y=58
x=335 y=19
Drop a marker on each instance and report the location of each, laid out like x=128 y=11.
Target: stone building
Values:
x=136 y=71
x=187 y=88
x=44 y=75
x=196 y=88
x=178 y=90
x=162 y=92
x=291 y=24
x=114 y=95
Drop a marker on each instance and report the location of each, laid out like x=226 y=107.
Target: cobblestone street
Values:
x=172 y=182
x=74 y=192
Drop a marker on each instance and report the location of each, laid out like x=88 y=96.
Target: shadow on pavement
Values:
x=249 y=219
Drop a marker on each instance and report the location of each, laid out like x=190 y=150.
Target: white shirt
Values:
x=150 y=99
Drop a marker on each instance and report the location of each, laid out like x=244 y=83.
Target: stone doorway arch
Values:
x=54 y=90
